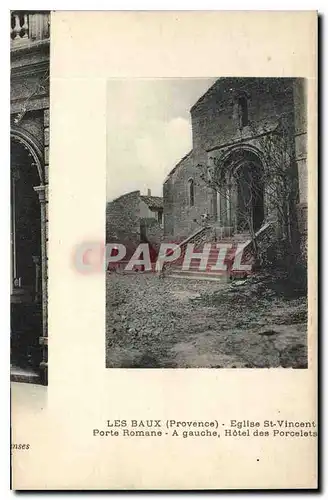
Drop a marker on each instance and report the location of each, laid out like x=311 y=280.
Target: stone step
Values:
x=199 y=275
x=212 y=258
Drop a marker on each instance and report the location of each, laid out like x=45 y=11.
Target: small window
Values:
x=243 y=111
x=191 y=188
x=160 y=217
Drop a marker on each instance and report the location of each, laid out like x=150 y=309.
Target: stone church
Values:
x=29 y=152
x=232 y=127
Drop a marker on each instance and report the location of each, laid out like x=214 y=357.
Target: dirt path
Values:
x=154 y=323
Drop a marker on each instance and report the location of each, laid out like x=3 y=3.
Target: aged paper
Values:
x=75 y=425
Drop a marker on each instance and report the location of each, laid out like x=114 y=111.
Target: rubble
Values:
x=178 y=323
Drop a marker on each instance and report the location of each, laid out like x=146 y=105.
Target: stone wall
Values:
x=151 y=232
x=301 y=136
x=130 y=221
x=215 y=121
x=32 y=122
x=29 y=79
x=301 y=159
x=180 y=217
x=123 y=220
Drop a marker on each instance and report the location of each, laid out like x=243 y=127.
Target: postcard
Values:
x=163 y=250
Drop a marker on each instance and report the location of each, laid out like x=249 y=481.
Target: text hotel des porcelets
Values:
x=279 y=428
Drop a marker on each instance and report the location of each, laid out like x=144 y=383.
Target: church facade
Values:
x=29 y=135
x=248 y=139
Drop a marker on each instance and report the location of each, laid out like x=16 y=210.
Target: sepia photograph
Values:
x=206 y=223
x=29 y=159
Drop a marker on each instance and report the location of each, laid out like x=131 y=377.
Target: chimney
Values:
x=148 y=192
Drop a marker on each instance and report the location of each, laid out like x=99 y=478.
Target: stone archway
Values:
x=241 y=201
x=28 y=294
x=249 y=208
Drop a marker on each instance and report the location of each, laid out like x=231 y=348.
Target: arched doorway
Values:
x=250 y=197
x=26 y=268
x=240 y=196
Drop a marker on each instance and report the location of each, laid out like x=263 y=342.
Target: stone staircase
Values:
x=205 y=241
x=174 y=269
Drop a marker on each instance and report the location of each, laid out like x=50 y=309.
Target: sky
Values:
x=148 y=130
